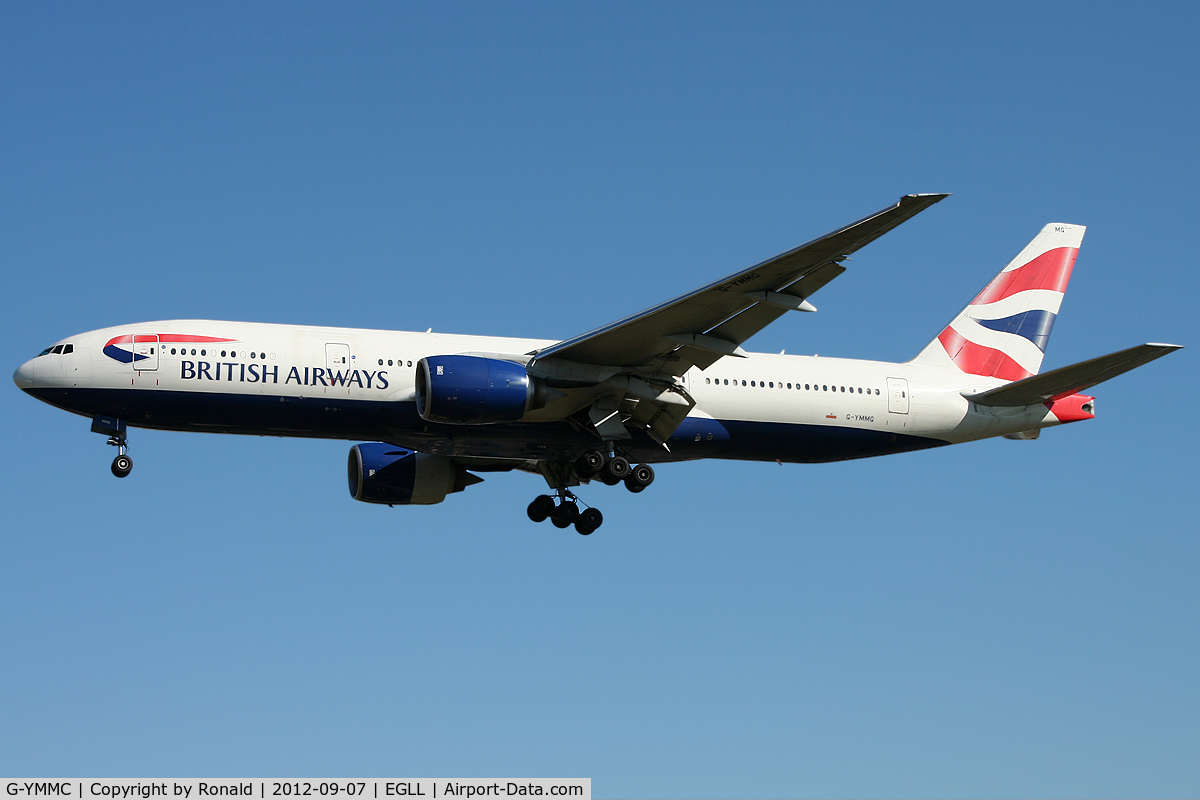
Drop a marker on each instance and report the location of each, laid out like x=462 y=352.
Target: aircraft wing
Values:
x=702 y=326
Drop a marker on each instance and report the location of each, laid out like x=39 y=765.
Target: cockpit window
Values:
x=57 y=349
x=68 y=348
x=45 y=352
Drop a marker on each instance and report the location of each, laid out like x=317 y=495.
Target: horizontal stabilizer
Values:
x=1070 y=380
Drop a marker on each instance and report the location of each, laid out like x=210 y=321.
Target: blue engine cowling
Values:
x=384 y=473
x=471 y=390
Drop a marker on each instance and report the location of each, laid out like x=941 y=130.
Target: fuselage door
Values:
x=145 y=351
x=897 y=395
x=337 y=357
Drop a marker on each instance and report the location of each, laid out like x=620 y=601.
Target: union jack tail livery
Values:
x=1003 y=332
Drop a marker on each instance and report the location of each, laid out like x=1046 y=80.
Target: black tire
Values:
x=609 y=480
x=565 y=515
x=617 y=467
x=590 y=519
x=590 y=463
x=639 y=478
x=541 y=507
x=122 y=466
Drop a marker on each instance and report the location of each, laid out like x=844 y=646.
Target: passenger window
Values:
x=771 y=385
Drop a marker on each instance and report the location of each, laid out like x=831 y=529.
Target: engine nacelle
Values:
x=471 y=390
x=384 y=473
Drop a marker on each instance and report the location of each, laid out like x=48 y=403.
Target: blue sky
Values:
x=997 y=619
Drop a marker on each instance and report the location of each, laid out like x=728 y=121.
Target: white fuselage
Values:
x=345 y=383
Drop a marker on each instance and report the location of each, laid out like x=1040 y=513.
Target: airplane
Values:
x=671 y=383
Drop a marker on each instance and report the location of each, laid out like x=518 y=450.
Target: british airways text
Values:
x=230 y=371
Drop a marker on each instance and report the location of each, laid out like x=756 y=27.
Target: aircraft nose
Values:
x=23 y=377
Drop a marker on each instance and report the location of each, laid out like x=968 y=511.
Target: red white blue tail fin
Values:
x=1004 y=330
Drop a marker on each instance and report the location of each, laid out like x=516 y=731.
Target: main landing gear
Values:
x=565 y=513
x=562 y=509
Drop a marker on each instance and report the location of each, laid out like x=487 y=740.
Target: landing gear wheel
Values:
x=590 y=463
x=564 y=515
x=617 y=467
x=122 y=465
x=541 y=507
x=589 y=520
x=608 y=480
x=639 y=478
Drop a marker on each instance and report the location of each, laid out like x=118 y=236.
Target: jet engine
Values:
x=383 y=473
x=472 y=390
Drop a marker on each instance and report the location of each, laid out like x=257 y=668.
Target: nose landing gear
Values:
x=115 y=430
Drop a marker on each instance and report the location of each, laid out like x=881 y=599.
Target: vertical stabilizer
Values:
x=1004 y=330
